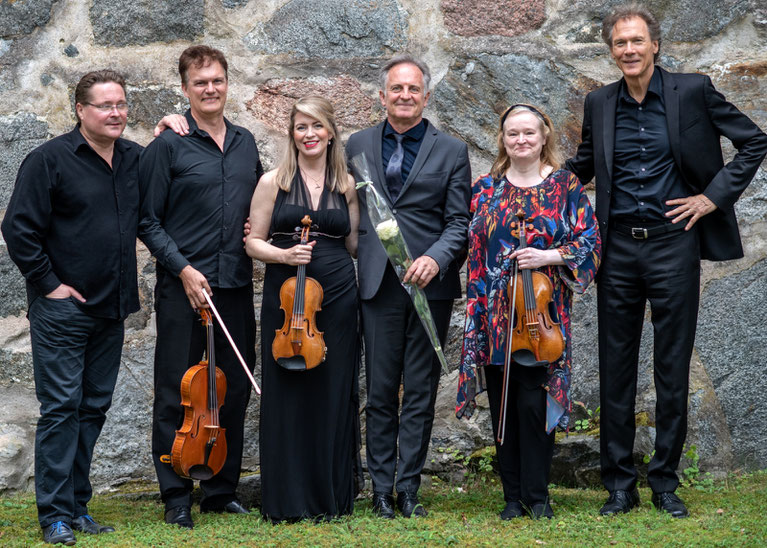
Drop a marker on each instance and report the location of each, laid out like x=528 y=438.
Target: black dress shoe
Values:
x=383 y=505
x=231 y=507
x=513 y=509
x=59 y=532
x=669 y=502
x=408 y=504
x=181 y=516
x=620 y=502
x=86 y=524
x=541 y=510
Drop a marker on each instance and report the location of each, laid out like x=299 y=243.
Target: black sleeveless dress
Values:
x=308 y=418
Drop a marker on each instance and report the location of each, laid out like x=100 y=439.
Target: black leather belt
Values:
x=643 y=233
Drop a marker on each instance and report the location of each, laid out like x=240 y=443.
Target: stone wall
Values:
x=484 y=55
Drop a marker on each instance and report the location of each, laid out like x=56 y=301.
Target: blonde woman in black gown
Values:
x=308 y=418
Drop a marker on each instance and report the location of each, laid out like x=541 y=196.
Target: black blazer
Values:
x=432 y=209
x=697 y=115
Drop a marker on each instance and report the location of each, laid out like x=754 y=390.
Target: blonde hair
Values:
x=550 y=154
x=321 y=110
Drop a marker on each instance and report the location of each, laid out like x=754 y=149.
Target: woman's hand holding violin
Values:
x=531 y=257
x=299 y=254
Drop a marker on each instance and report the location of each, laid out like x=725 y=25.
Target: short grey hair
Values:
x=404 y=59
x=626 y=11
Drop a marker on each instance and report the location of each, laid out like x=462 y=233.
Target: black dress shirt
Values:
x=411 y=144
x=645 y=175
x=195 y=199
x=72 y=219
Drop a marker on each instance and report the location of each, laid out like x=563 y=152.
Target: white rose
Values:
x=387 y=230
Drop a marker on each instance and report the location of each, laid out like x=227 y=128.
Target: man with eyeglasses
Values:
x=71 y=227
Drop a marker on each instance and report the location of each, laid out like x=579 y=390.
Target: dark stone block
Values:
x=117 y=23
x=71 y=51
x=13 y=293
x=732 y=344
x=19 y=18
x=680 y=21
x=20 y=133
x=341 y=28
x=478 y=88
x=148 y=104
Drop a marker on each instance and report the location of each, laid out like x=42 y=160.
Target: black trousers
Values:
x=398 y=349
x=666 y=271
x=76 y=358
x=181 y=343
x=524 y=459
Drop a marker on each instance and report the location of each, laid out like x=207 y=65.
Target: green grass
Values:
x=729 y=513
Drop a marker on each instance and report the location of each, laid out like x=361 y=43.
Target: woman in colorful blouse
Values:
x=563 y=243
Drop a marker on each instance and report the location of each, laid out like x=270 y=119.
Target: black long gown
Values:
x=308 y=418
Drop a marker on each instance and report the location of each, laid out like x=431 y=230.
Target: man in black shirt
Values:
x=70 y=227
x=195 y=197
x=664 y=201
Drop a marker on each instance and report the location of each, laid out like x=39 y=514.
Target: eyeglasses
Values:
x=122 y=107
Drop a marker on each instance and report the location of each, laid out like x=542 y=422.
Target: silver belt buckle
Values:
x=639 y=233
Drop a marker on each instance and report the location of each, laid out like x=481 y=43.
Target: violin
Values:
x=534 y=339
x=298 y=345
x=199 y=449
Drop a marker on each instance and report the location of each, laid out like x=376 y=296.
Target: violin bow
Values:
x=507 y=361
x=231 y=342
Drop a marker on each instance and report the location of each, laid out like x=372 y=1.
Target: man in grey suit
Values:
x=424 y=176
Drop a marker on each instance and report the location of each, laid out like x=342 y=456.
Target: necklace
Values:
x=315 y=182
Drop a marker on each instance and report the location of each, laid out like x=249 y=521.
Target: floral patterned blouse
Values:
x=562 y=218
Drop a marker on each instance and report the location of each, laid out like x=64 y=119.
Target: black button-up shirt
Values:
x=411 y=144
x=644 y=173
x=195 y=199
x=72 y=219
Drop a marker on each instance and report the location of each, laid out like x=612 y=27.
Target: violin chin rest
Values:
x=527 y=359
x=294 y=363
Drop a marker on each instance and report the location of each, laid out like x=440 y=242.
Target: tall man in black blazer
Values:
x=664 y=200
x=424 y=176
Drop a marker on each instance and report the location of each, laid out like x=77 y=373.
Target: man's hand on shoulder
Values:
x=421 y=272
x=64 y=291
x=245 y=230
x=693 y=207
x=176 y=122
x=194 y=282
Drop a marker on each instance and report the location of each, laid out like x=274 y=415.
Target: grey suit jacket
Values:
x=432 y=209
